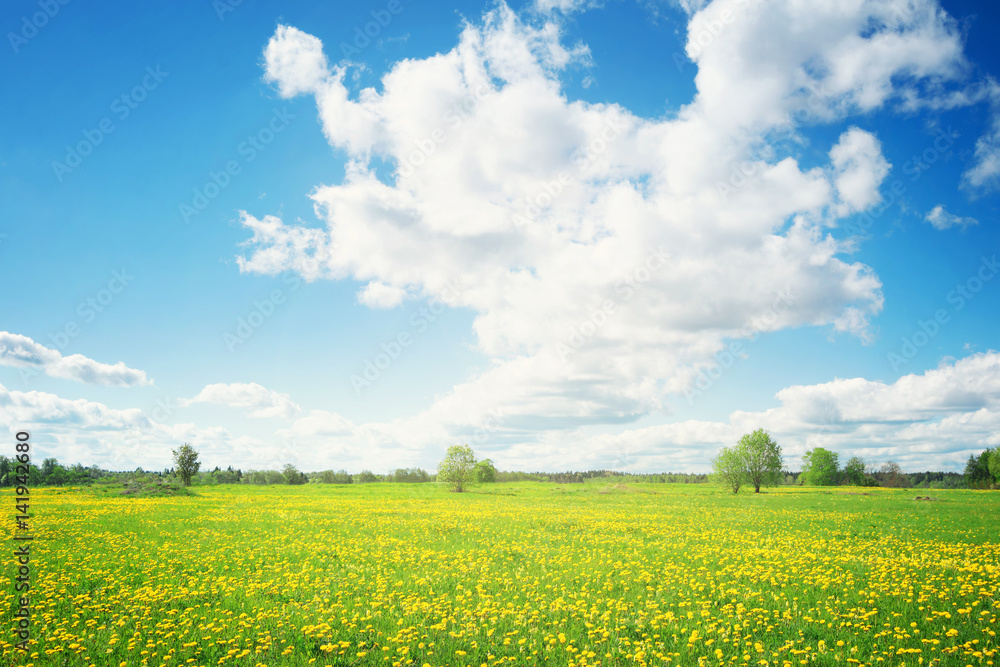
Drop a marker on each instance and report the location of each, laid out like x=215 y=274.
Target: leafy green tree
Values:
x=57 y=477
x=854 y=471
x=819 y=467
x=994 y=465
x=761 y=459
x=977 y=470
x=292 y=475
x=457 y=468
x=486 y=472
x=366 y=477
x=5 y=468
x=186 y=462
x=728 y=468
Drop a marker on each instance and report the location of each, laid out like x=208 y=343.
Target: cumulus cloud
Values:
x=92 y=433
x=925 y=421
x=942 y=219
x=23 y=352
x=928 y=421
x=859 y=170
x=295 y=62
x=260 y=401
x=607 y=257
x=921 y=420
x=505 y=184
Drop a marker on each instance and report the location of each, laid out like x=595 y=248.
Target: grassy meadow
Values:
x=512 y=574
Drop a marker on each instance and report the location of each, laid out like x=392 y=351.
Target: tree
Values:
x=292 y=475
x=994 y=465
x=854 y=471
x=761 y=459
x=728 y=467
x=892 y=474
x=186 y=462
x=977 y=470
x=457 y=467
x=366 y=477
x=486 y=472
x=819 y=467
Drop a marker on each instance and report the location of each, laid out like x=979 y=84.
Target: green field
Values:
x=516 y=574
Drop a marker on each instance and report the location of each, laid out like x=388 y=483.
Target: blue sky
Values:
x=574 y=235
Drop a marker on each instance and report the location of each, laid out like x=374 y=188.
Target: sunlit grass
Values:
x=513 y=574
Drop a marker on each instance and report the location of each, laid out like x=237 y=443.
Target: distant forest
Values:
x=52 y=473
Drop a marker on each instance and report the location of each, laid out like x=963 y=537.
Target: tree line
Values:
x=754 y=461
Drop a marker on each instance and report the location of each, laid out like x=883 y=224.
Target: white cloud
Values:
x=379 y=295
x=984 y=174
x=565 y=6
x=550 y=211
x=930 y=421
x=859 y=170
x=260 y=401
x=295 y=61
x=23 y=352
x=320 y=423
x=91 y=433
x=942 y=219
x=923 y=420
